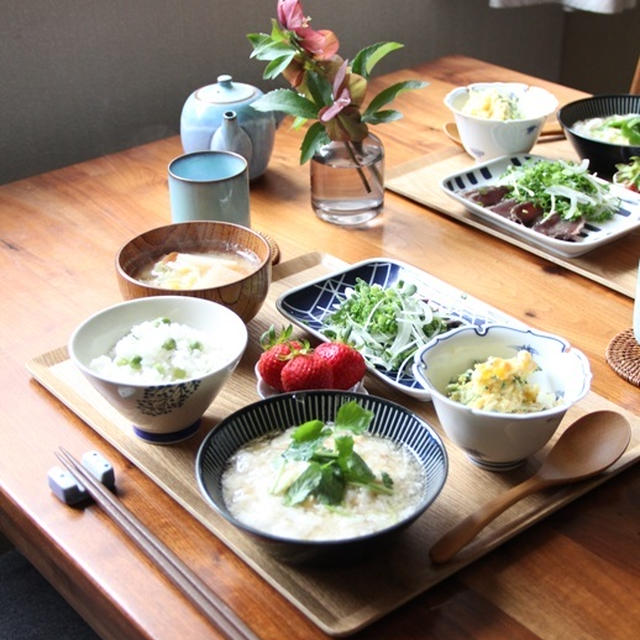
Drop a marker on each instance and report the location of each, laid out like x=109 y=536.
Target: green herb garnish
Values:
x=387 y=325
x=564 y=188
x=332 y=467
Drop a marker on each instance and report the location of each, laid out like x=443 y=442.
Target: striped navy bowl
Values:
x=603 y=156
x=282 y=411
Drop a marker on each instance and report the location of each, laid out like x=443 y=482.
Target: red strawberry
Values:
x=347 y=364
x=306 y=371
x=278 y=349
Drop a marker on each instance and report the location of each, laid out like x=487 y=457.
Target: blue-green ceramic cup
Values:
x=209 y=185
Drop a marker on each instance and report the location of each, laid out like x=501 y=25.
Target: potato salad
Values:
x=501 y=385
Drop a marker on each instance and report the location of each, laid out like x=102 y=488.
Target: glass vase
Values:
x=347 y=181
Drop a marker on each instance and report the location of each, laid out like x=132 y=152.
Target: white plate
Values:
x=594 y=235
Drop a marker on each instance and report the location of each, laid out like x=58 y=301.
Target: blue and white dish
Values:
x=308 y=305
x=279 y=412
x=493 y=440
x=626 y=219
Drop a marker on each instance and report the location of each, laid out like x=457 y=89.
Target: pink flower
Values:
x=322 y=44
x=290 y=14
x=341 y=96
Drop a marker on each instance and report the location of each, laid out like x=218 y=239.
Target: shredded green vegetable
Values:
x=564 y=188
x=628 y=174
x=387 y=325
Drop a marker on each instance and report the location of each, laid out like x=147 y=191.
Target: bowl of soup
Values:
x=605 y=129
x=219 y=261
x=322 y=476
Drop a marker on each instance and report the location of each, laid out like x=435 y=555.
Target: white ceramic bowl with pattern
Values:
x=160 y=413
x=501 y=441
x=484 y=139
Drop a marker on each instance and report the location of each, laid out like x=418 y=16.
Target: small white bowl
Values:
x=501 y=441
x=485 y=139
x=169 y=412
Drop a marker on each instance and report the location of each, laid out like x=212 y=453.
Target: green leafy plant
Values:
x=325 y=87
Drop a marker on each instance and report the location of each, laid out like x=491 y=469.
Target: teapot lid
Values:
x=225 y=91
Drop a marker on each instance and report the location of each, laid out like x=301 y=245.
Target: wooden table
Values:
x=575 y=575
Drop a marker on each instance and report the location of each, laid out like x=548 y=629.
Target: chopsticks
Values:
x=168 y=562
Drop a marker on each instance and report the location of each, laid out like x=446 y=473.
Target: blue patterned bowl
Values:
x=278 y=413
x=160 y=413
x=494 y=440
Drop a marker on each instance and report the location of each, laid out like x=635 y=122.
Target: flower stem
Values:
x=359 y=168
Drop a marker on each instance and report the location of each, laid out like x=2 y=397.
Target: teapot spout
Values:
x=279 y=117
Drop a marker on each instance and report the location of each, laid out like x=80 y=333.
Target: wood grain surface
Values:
x=370 y=595
x=575 y=574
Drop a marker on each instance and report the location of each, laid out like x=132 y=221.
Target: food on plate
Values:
x=319 y=481
x=501 y=385
x=160 y=351
x=492 y=104
x=628 y=175
x=183 y=270
x=292 y=365
x=615 y=129
x=553 y=197
x=386 y=325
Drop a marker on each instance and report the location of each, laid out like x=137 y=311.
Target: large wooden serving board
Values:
x=340 y=600
x=613 y=265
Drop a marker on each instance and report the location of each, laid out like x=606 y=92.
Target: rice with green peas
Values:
x=160 y=351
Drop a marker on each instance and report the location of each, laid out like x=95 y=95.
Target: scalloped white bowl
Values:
x=501 y=441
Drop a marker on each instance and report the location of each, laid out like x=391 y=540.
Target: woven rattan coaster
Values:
x=623 y=356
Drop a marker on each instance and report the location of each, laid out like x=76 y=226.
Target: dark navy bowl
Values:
x=282 y=411
x=603 y=156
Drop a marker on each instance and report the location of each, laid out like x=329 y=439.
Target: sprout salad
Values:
x=387 y=325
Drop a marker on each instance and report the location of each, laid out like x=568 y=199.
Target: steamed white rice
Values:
x=160 y=351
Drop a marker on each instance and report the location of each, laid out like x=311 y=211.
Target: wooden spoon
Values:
x=548 y=134
x=587 y=447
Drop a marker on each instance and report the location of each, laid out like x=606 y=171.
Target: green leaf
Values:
x=332 y=486
x=315 y=137
x=319 y=88
x=354 y=468
x=277 y=33
x=269 y=50
x=257 y=40
x=368 y=57
x=302 y=487
x=309 y=430
x=353 y=417
x=388 y=95
x=277 y=66
x=286 y=100
x=379 y=117
x=298 y=122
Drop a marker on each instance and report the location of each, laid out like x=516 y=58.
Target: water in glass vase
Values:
x=347 y=181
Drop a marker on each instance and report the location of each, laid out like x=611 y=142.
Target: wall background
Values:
x=81 y=79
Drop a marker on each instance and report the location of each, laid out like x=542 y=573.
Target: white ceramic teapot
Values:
x=219 y=116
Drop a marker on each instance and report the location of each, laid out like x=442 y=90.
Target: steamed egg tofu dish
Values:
x=501 y=385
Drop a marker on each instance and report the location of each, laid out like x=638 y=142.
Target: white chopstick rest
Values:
x=66 y=488
x=100 y=468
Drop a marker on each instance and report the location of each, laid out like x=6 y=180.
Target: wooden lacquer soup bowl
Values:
x=244 y=295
